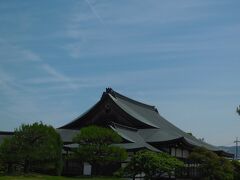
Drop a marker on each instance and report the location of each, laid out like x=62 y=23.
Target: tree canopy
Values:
x=96 y=146
x=211 y=165
x=32 y=144
x=236 y=169
x=9 y=154
x=152 y=164
x=238 y=110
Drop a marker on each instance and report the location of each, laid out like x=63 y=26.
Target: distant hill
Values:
x=230 y=149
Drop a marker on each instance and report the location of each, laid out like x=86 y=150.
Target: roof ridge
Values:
x=118 y=95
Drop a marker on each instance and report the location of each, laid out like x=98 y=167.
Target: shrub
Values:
x=211 y=165
x=152 y=164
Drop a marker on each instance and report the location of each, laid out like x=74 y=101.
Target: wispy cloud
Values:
x=20 y=55
x=28 y=54
x=14 y=53
x=94 y=11
x=127 y=27
x=59 y=76
x=5 y=80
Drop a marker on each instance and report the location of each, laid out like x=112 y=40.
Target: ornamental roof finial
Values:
x=109 y=90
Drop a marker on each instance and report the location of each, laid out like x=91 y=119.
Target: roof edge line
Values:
x=151 y=125
x=79 y=117
x=116 y=95
x=6 y=132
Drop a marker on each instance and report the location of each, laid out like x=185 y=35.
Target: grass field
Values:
x=42 y=177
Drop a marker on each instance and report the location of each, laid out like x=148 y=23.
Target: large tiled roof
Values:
x=151 y=127
x=162 y=130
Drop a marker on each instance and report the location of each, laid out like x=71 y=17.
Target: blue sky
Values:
x=58 y=56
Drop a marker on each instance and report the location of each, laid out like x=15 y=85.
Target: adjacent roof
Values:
x=135 y=139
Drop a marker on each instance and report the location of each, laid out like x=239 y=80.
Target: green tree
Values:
x=9 y=155
x=211 y=165
x=33 y=145
x=238 y=110
x=152 y=164
x=236 y=169
x=96 y=147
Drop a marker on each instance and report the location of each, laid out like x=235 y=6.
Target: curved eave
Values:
x=224 y=153
x=172 y=142
x=213 y=149
x=183 y=141
x=135 y=116
x=6 y=133
x=73 y=124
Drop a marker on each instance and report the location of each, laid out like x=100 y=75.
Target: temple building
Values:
x=140 y=125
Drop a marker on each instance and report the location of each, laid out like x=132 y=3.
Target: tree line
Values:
x=35 y=147
x=38 y=148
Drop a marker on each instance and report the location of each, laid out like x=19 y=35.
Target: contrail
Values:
x=94 y=12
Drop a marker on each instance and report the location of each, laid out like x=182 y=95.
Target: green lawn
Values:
x=43 y=177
